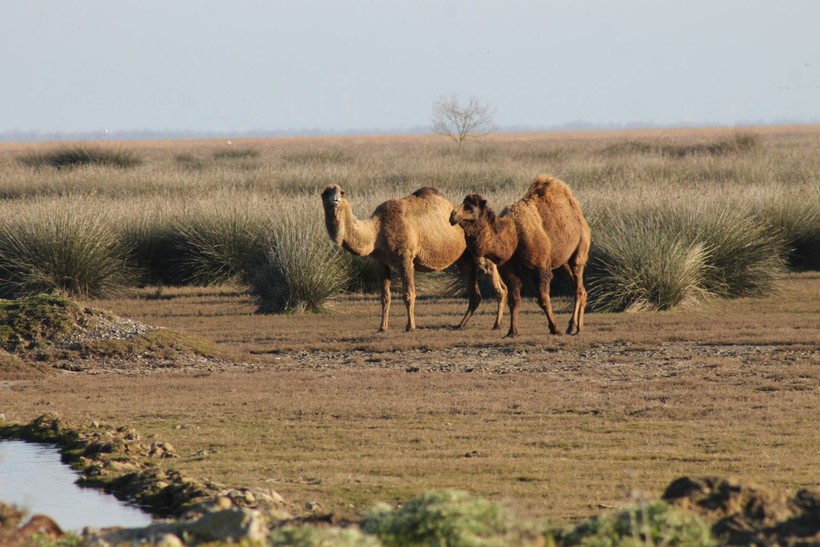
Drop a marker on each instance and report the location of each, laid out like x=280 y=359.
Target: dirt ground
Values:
x=322 y=410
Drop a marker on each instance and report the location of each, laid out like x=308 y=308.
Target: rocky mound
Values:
x=748 y=515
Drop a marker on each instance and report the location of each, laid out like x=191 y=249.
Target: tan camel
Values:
x=539 y=233
x=411 y=234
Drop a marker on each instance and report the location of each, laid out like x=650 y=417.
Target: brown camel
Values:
x=411 y=234
x=539 y=233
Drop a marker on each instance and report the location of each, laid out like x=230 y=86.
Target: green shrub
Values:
x=79 y=155
x=447 y=518
x=302 y=270
x=654 y=523
x=313 y=536
x=59 y=248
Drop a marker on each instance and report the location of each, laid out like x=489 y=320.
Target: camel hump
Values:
x=545 y=184
x=427 y=191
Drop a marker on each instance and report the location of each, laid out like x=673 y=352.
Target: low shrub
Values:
x=79 y=155
x=56 y=248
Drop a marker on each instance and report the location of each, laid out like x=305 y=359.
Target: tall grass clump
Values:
x=796 y=218
x=58 y=248
x=80 y=155
x=653 y=523
x=448 y=517
x=745 y=257
x=664 y=257
x=156 y=246
x=643 y=266
x=222 y=242
x=301 y=270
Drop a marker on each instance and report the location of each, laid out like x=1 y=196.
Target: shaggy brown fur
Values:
x=410 y=234
x=539 y=233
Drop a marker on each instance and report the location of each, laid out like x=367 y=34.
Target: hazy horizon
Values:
x=322 y=67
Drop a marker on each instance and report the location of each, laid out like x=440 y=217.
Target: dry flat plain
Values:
x=320 y=408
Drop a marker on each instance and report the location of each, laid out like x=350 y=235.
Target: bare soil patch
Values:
x=324 y=412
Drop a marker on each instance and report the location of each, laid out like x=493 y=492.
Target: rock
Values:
x=170 y=540
x=230 y=525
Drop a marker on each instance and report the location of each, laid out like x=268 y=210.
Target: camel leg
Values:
x=543 y=277
x=513 y=299
x=383 y=271
x=469 y=273
x=409 y=282
x=576 y=324
x=500 y=292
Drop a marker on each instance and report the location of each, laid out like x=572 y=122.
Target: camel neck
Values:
x=494 y=240
x=356 y=236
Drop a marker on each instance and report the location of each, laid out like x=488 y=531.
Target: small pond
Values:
x=33 y=478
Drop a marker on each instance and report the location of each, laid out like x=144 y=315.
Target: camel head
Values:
x=473 y=208
x=332 y=196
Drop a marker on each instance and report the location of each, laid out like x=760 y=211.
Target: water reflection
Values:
x=33 y=478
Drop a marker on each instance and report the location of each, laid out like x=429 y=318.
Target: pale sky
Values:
x=358 y=65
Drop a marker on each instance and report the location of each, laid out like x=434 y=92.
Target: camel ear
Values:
x=490 y=215
x=482 y=204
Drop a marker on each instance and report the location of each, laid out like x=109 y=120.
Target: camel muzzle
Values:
x=453 y=218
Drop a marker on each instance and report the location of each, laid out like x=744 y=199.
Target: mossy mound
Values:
x=30 y=323
x=57 y=330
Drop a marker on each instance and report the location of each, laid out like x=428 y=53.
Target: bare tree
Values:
x=451 y=119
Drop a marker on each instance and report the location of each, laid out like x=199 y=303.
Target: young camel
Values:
x=411 y=234
x=539 y=233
